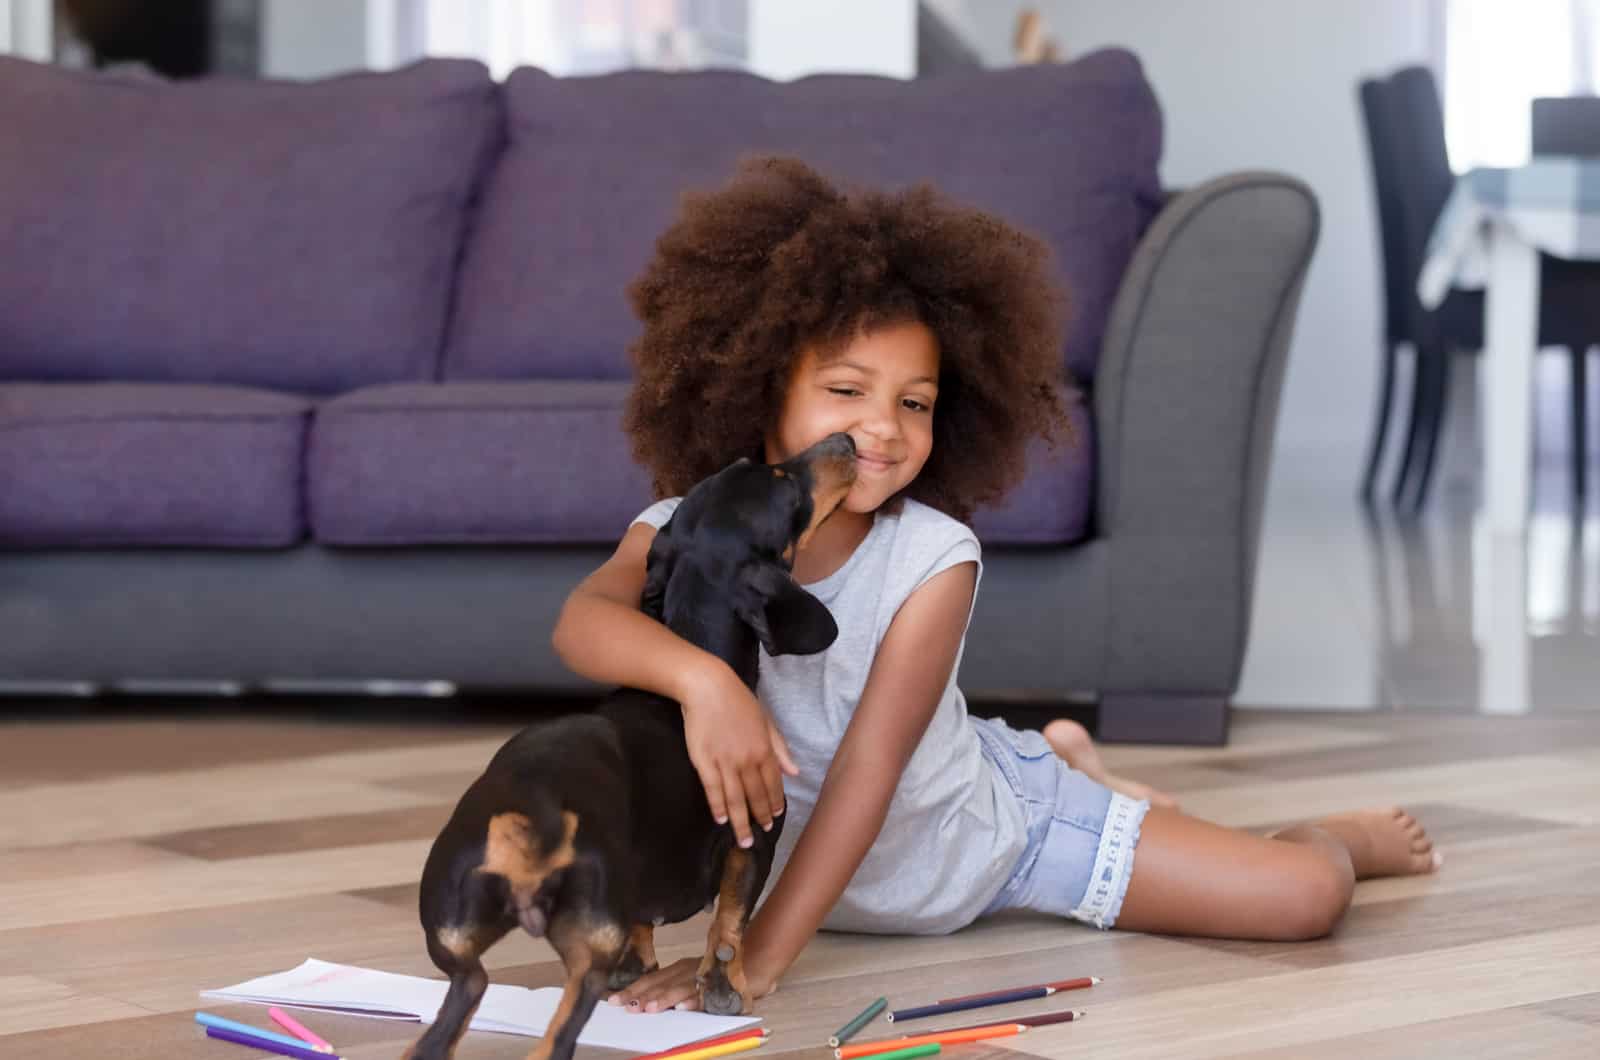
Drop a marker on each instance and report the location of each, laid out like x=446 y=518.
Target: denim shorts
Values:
x=1081 y=834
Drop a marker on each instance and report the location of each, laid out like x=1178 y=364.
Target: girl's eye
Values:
x=917 y=406
x=843 y=391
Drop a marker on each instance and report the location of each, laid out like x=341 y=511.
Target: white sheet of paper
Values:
x=506 y=1009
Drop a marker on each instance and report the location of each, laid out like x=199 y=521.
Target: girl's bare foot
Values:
x=1386 y=842
x=1072 y=744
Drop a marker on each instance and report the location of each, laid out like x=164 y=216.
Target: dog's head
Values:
x=738 y=531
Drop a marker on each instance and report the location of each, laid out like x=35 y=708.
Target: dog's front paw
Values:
x=718 y=995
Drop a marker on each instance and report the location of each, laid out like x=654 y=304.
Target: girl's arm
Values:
x=601 y=634
x=904 y=686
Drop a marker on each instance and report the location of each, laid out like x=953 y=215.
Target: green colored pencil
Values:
x=851 y=1029
x=907 y=1054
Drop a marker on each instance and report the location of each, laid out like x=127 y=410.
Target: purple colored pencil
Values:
x=267 y=1044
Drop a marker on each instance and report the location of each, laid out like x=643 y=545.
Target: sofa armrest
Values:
x=1185 y=403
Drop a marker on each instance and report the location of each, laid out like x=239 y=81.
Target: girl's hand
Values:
x=736 y=749
x=674 y=987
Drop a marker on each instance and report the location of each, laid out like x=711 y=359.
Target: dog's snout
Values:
x=839 y=444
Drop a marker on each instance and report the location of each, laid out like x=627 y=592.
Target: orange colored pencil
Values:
x=1065 y=984
x=748 y=1032
x=971 y=1034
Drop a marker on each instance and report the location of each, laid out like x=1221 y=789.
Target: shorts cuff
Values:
x=1113 y=862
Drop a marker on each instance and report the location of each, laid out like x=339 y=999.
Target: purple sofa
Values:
x=316 y=386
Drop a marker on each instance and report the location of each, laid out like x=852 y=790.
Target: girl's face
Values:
x=880 y=389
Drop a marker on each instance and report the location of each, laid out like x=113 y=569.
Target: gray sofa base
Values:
x=444 y=619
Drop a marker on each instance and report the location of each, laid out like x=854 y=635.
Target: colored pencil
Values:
x=1064 y=984
x=206 y=1019
x=748 y=1032
x=877 y=1048
x=255 y=1041
x=1042 y=1020
x=851 y=1029
x=1003 y=998
x=907 y=1054
x=725 y=1049
x=298 y=1029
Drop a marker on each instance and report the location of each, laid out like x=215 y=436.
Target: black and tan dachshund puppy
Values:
x=592 y=829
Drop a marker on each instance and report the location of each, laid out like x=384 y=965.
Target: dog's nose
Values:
x=839 y=444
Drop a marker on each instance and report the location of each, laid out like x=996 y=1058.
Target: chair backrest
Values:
x=1377 y=117
x=1567 y=125
x=1424 y=159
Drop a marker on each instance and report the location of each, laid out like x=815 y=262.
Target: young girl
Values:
x=780 y=310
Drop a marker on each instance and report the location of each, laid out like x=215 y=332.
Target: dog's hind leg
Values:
x=723 y=988
x=637 y=959
x=456 y=952
x=590 y=951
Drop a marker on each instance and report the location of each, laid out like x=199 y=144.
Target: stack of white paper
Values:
x=505 y=1009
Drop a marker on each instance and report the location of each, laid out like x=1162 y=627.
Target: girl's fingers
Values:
x=755 y=787
x=780 y=747
x=738 y=809
x=773 y=781
x=712 y=781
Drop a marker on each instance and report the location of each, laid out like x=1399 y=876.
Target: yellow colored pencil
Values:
x=722 y=1050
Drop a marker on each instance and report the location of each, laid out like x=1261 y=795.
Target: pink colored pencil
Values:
x=298 y=1029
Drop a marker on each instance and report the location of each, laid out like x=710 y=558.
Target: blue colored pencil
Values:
x=206 y=1019
x=977 y=1002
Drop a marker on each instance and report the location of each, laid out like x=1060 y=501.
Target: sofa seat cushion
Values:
x=114 y=464
x=594 y=167
x=1053 y=504
x=295 y=235
x=534 y=462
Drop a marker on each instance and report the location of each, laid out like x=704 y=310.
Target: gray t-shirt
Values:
x=954 y=831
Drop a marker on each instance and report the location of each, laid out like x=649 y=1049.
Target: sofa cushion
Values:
x=594 y=167
x=525 y=462
x=286 y=234
x=1053 y=503
x=108 y=464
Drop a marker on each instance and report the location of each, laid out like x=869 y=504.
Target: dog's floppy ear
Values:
x=657 y=571
x=787 y=619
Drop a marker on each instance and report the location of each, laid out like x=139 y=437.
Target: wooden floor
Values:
x=144 y=861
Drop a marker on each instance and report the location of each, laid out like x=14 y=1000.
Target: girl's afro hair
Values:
x=779 y=261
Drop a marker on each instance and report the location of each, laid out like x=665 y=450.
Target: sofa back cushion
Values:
x=296 y=235
x=594 y=166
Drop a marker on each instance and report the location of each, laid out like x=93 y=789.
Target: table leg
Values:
x=1511 y=337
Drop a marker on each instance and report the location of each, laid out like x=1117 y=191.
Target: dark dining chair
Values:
x=1567 y=125
x=1411 y=172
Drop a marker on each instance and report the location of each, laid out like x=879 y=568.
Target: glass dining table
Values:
x=1490 y=233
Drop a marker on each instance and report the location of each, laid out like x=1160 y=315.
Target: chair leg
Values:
x=1580 y=424
x=1380 y=429
x=1421 y=368
x=1438 y=400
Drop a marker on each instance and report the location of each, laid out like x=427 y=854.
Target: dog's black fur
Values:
x=592 y=829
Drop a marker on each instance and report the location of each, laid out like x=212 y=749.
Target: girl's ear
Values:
x=657 y=571
x=787 y=619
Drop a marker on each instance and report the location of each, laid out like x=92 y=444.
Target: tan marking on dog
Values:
x=511 y=850
x=779 y=472
x=642 y=940
x=727 y=926
x=458 y=941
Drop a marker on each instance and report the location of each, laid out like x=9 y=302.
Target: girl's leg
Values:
x=1073 y=746
x=1191 y=877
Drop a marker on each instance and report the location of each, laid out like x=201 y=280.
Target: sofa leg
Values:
x=1132 y=717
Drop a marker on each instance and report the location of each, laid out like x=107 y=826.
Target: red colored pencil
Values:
x=748 y=1032
x=1065 y=984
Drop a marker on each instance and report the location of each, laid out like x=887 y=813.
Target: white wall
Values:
x=790 y=39
x=26 y=29
x=1269 y=84
x=314 y=38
